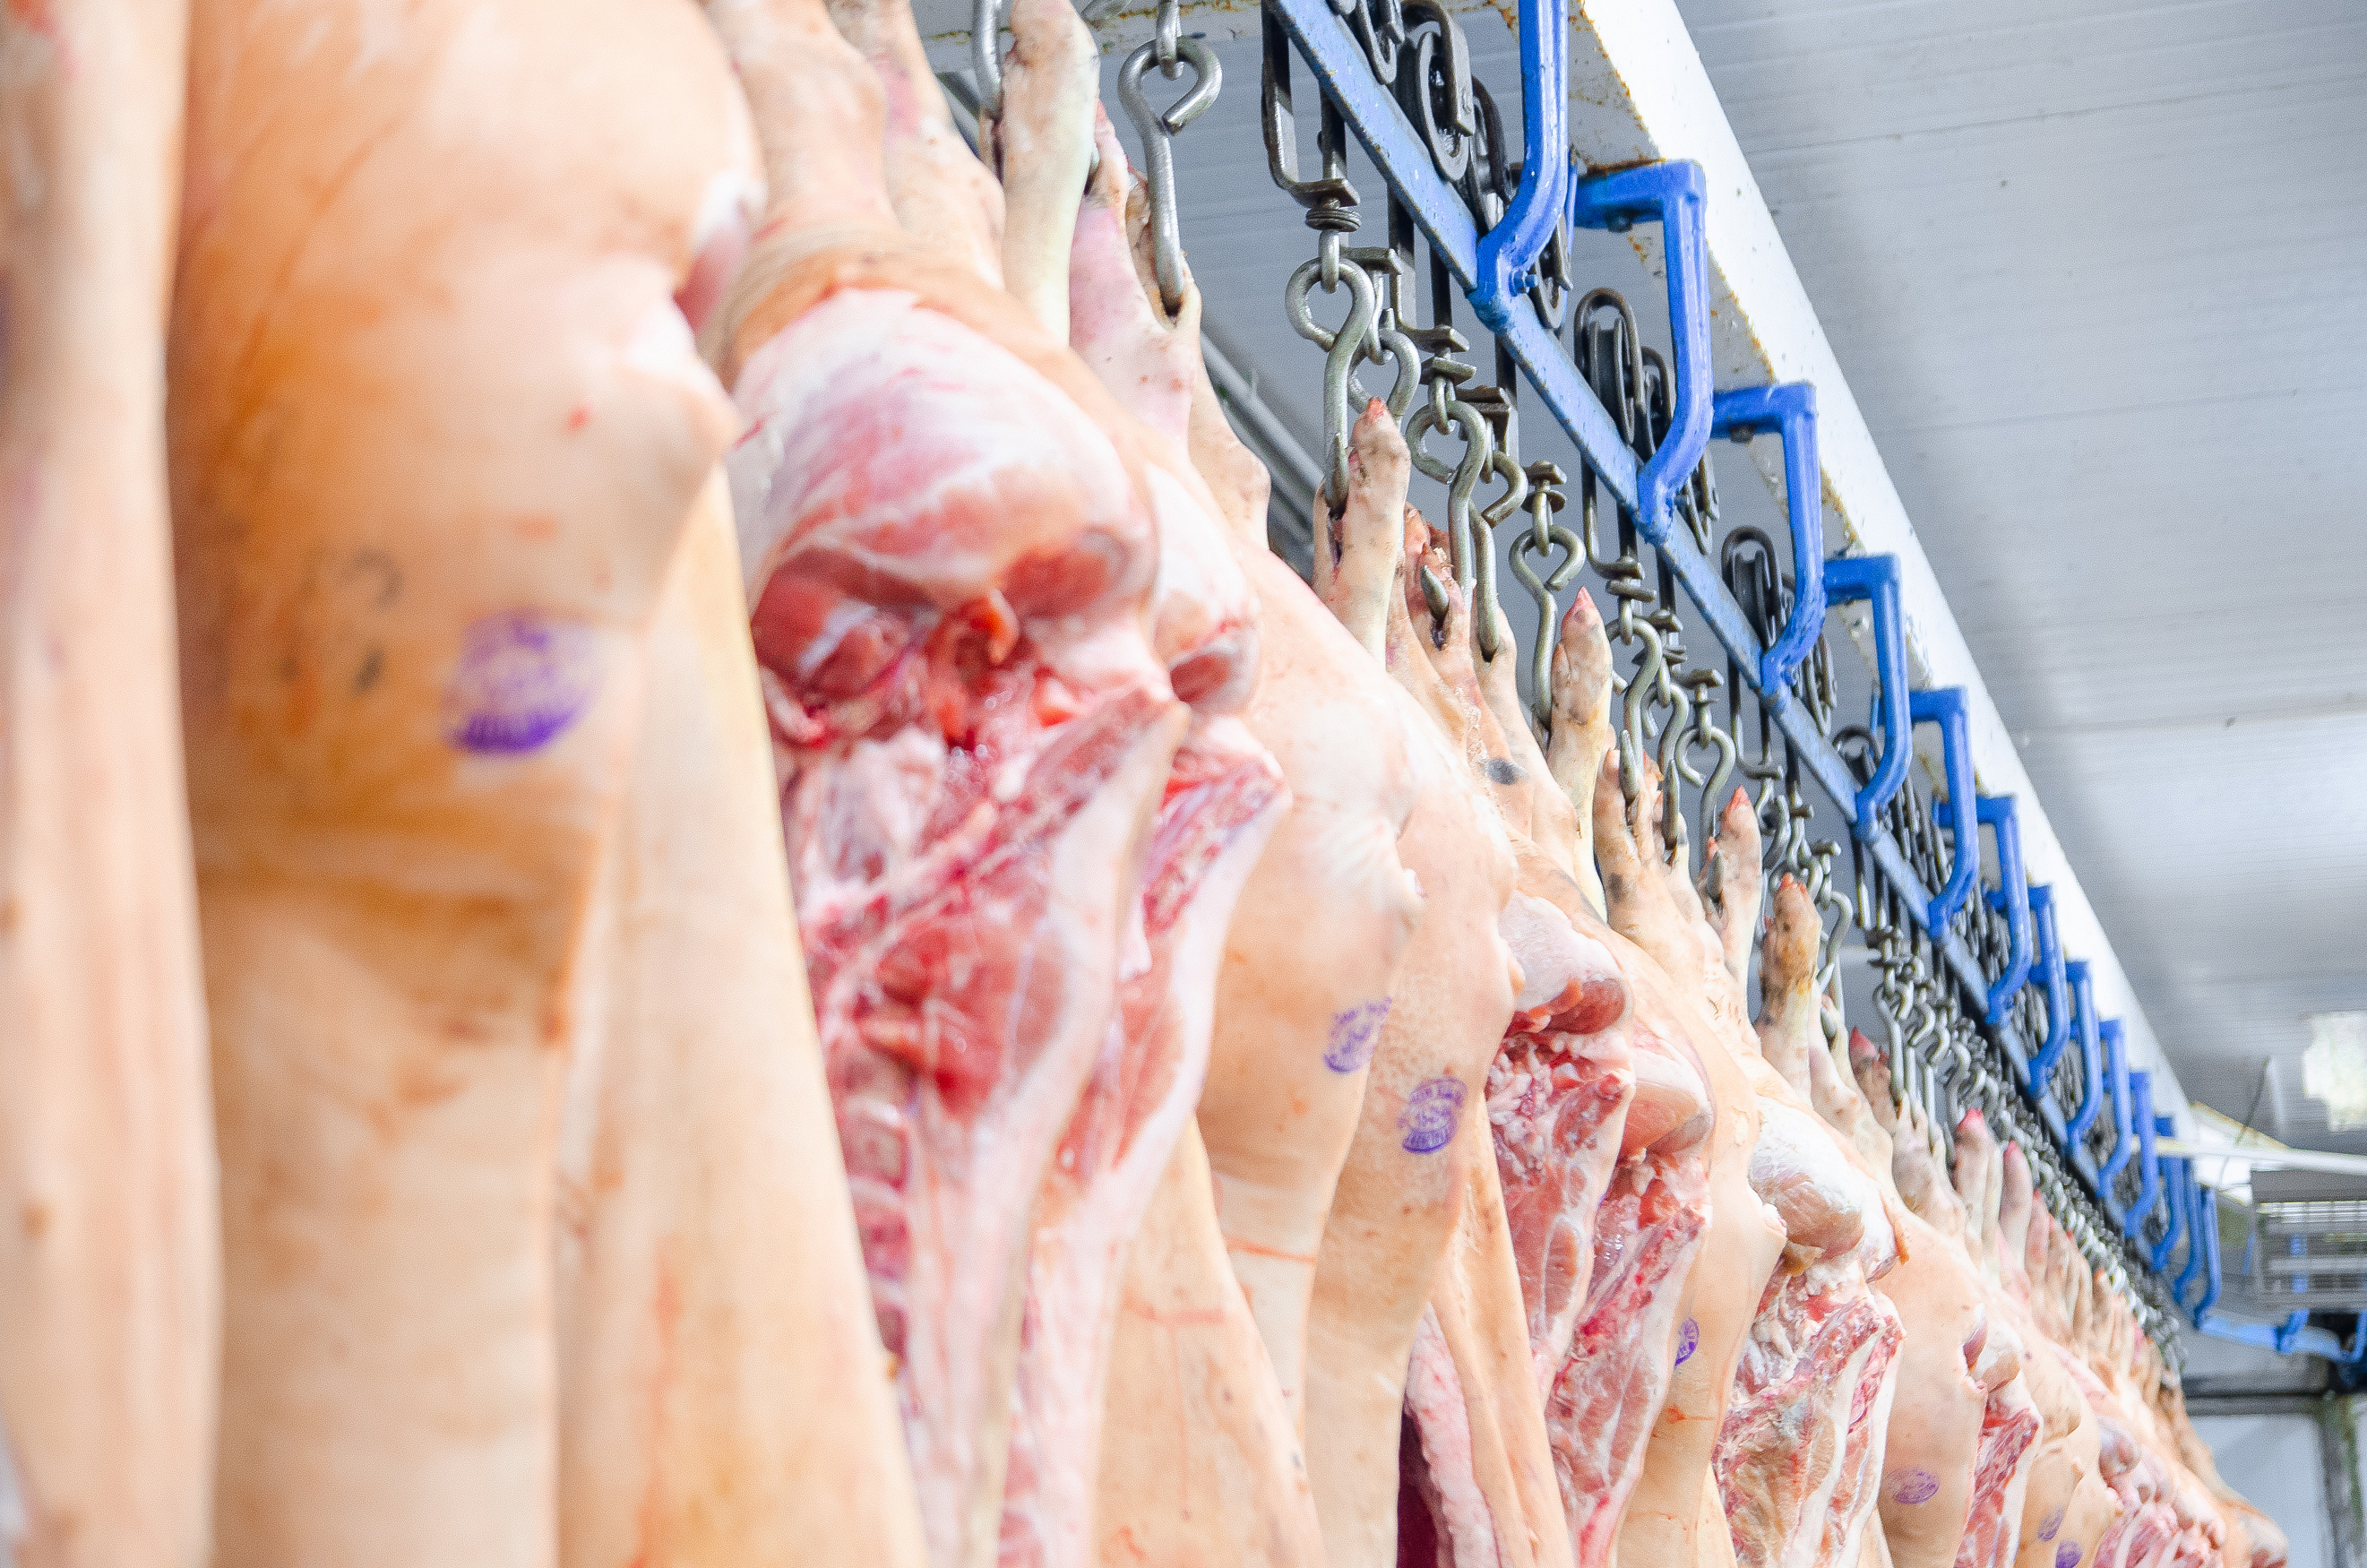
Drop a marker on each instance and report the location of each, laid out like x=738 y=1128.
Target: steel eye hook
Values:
x=1479 y=456
x=1341 y=349
x=1385 y=343
x=1157 y=130
x=1516 y=490
x=986 y=56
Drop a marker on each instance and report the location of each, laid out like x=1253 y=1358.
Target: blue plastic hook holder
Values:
x=2091 y=1055
x=2208 y=1217
x=2195 y=1245
x=1788 y=411
x=2012 y=896
x=1875 y=579
x=2149 y=1165
x=2124 y=1143
x=1508 y=252
x=1945 y=708
x=1674 y=195
x=2173 y=1192
x=2059 y=989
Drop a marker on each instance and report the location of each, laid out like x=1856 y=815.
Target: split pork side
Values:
x=437 y=424
x=110 y=1283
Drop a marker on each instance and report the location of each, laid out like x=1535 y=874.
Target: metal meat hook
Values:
x=1172 y=50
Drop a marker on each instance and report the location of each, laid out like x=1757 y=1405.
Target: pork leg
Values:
x=1745 y=1239
x=1300 y=994
x=941 y=194
x=436 y=427
x=110 y=1267
x=1581 y=727
x=1601 y=1395
x=1402 y=1190
x=1200 y=1464
x=973 y=735
x=710 y=1289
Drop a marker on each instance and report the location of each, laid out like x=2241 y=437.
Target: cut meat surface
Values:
x=1745 y=1239
x=973 y=740
x=1992 y=1526
x=1557 y=1098
x=1800 y=1449
x=946 y=532
x=1820 y=1350
x=1606 y=1359
x=1607 y=1396
x=1460 y=1527
x=1223 y=793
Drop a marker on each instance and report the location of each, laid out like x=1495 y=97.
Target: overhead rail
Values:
x=1978 y=1001
x=1637 y=96
x=1422 y=129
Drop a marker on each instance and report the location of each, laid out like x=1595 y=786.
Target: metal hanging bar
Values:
x=1672 y=194
x=1875 y=579
x=2092 y=1057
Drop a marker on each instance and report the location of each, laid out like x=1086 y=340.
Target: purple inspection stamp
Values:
x=2067 y=1555
x=523 y=679
x=1431 y=1114
x=1688 y=1341
x=1355 y=1033
x=1915 y=1486
x=2048 y=1525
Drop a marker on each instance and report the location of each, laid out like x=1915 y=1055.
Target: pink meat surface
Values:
x=1610 y=1388
x=1443 y=1520
x=1821 y=1348
x=1223 y=795
x=2010 y=1424
x=1557 y=1097
x=2146 y=1535
x=1857 y=1490
x=947 y=560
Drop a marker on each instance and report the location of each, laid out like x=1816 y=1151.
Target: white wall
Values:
x=2274 y=1461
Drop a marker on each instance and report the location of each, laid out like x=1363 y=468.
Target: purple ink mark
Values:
x=1688 y=1340
x=1431 y=1114
x=2067 y=1555
x=1915 y=1486
x=523 y=679
x=2049 y=1525
x=1355 y=1033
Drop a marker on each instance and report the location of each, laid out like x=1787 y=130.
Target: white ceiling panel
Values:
x=2097 y=276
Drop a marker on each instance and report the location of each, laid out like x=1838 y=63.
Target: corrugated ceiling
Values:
x=2097 y=276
